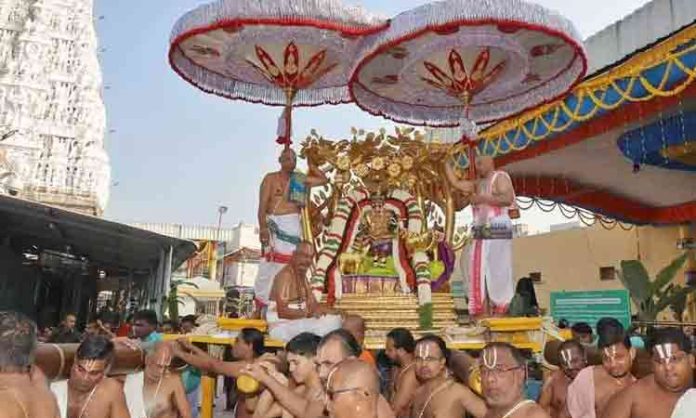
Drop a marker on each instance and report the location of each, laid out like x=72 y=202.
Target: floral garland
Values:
x=341 y=234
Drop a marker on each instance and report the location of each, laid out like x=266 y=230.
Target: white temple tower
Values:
x=51 y=105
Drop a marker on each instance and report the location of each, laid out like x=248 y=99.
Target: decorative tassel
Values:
x=425 y=316
x=285 y=127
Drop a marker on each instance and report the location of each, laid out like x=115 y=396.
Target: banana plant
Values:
x=653 y=296
x=172 y=300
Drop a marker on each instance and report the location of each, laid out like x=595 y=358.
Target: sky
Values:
x=178 y=153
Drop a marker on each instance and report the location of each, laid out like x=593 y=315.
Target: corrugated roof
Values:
x=191 y=232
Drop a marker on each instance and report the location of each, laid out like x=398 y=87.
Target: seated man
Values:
x=400 y=350
x=352 y=390
x=503 y=376
x=89 y=392
x=24 y=390
x=553 y=395
x=293 y=308
x=155 y=392
x=439 y=396
x=591 y=390
x=656 y=395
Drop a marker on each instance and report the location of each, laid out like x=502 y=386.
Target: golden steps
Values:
x=385 y=312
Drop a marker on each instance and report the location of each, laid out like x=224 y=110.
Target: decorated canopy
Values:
x=276 y=52
x=482 y=60
x=622 y=144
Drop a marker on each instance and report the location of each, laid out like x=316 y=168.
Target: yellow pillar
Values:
x=207 y=396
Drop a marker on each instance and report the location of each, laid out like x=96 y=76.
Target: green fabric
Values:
x=191 y=378
x=282 y=235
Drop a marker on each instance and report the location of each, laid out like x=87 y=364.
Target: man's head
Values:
x=17 y=342
x=432 y=357
x=249 y=344
x=335 y=347
x=188 y=324
x=484 y=165
x=168 y=327
x=353 y=390
x=301 y=352
x=158 y=361
x=615 y=345
x=400 y=344
x=288 y=160
x=503 y=374
x=303 y=257
x=92 y=362
x=70 y=321
x=673 y=361
x=144 y=323
x=582 y=332
x=110 y=320
x=355 y=324
x=572 y=356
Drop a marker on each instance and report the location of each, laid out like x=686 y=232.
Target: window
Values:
x=607 y=273
x=535 y=276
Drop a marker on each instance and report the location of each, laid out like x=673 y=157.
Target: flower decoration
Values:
x=343 y=163
x=378 y=163
x=407 y=162
x=394 y=170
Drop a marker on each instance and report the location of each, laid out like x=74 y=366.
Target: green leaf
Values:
x=635 y=278
x=667 y=274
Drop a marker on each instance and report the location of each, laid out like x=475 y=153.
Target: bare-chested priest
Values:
x=591 y=390
x=282 y=196
x=88 y=392
x=503 y=377
x=156 y=392
x=492 y=197
x=352 y=390
x=439 y=396
x=24 y=390
x=656 y=395
x=293 y=309
x=572 y=361
x=400 y=350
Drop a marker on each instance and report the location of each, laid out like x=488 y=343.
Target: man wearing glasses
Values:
x=656 y=395
x=439 y=395
x=572 y=360
x=503 y=377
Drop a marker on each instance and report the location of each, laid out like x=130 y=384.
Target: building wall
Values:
x=51 y=98
x=571 y=259
x=241 y=274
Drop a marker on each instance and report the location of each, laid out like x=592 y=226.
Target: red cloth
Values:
x=123 y=330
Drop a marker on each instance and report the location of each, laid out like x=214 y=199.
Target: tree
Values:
x=172 y=300
x=653 y=296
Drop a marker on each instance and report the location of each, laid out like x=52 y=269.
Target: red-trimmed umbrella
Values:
x=277 y=52
x=475 y=60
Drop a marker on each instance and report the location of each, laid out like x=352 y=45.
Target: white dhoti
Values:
x=686 y=405
x=60 y=391
x=133 y=389
x=285 y=234
x=490 y=260
x=287 y=329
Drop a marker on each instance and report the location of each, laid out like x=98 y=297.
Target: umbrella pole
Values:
x=286 y=138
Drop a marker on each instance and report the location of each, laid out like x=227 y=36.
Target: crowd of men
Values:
x=331 y=376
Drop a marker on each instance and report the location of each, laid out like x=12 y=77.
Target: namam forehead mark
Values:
x=610 y=352
x=567 y=356
x=665 y=353
x=424 y=350
x=490 y=357
x=92 y=365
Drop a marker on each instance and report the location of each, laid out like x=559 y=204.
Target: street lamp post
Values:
x=221 y=211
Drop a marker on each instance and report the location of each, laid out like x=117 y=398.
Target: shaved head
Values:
x=355 y=324
x=353 y=390
x=355 y=372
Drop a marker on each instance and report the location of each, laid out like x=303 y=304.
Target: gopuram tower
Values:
x=52 y=116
